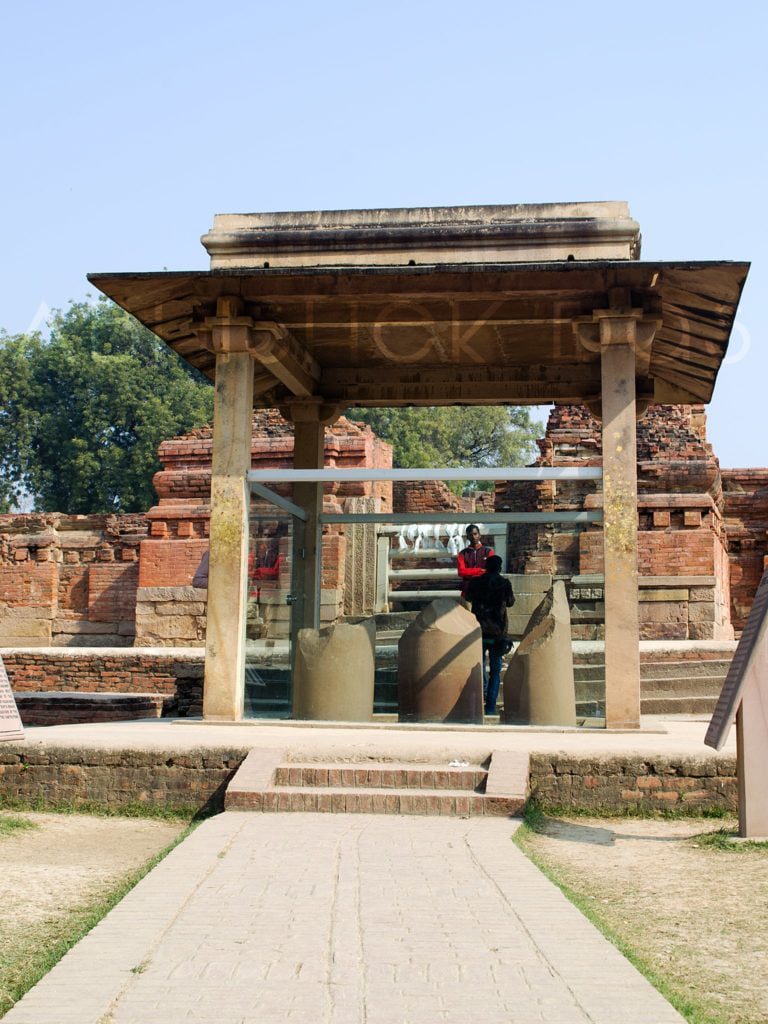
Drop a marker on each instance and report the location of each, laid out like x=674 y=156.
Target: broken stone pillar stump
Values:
x=439 y=666
x=538 y=684
x=333 y=673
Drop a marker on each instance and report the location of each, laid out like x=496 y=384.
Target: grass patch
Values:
x=10 y=823
x=680 y=811
x=132 y=809
x=727 y=840
x=34 y=952
x=536 y=823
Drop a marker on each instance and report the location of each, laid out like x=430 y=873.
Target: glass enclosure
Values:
x=390 y=567
x=272 y=601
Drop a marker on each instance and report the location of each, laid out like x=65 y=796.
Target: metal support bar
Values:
x=433 y=473
x=486 y=518
x=277 y=499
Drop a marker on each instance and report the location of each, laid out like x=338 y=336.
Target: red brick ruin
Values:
x=125 y=580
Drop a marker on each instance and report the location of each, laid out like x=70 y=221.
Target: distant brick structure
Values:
x=119 y=580
x=682 y=544
x=69 y=580
x=745 y=495
x=169 y=611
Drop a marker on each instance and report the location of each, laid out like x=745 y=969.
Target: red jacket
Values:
x=472 y=564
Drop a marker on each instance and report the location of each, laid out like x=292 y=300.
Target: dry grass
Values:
x=687 y=906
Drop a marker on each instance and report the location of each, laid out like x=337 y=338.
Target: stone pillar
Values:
x=623 y=337
x=230 y=499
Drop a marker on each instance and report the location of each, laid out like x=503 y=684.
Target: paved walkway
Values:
x=344 y=919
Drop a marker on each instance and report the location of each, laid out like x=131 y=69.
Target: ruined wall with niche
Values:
x=682 y=544
x=69 y=580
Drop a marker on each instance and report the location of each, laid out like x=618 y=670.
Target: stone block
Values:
x=333 y=673
x=439 y=672
x=701 y=631
x=701 y=611
x=677 y=594
x=167 y=627
x=539 y=686
x=701 y=594
x=75 y=627
x=12 y=628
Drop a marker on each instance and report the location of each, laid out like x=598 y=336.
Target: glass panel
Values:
x=413 y=565
x=271 y=604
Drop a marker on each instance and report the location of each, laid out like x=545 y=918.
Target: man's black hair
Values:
x=472 y=526
x=493 y=563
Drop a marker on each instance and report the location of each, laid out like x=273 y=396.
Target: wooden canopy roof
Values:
x=447 y=334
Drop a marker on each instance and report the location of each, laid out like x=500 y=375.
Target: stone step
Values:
x=370 y=800
x=677 y=705
x=672 y=669
x=684 y=686
x=385 y=775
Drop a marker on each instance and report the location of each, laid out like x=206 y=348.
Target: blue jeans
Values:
x=491 y=674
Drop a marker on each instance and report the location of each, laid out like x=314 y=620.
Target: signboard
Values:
x=733 y=687
x=10 y=721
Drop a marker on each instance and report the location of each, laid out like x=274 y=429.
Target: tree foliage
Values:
x=455 y=435
x=82 y=414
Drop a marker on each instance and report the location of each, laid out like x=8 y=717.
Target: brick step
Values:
x=71 y=707
x=373 y=800
x=385 y=775
x=677 y=705
x=428 y=789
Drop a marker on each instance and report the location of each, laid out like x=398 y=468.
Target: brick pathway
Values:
x=344 y=919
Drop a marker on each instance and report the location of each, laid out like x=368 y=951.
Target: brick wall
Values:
x=186 y=781
x=46 y=709
x=69 y=580
x=745 y=493
x=681 y=530
x=632 y=783
x=122 y=670
x=169 y=611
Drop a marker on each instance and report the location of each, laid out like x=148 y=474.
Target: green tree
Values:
x=82 y=414
x=455 y=435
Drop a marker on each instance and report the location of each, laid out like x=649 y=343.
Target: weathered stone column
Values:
x=230 y=498
x=620 y=334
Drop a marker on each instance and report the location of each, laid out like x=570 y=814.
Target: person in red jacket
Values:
x=472 y=559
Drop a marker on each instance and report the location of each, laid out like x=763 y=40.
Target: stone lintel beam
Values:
x=266 y=341
x=286 y=358
x=312 y=410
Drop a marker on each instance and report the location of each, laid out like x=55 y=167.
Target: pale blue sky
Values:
x=125 y=128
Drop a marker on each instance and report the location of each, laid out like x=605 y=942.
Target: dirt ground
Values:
x=51 y=871
x=697 y=914
x=69 y=858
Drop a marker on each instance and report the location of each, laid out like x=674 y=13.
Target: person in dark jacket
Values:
x=490 y=595
x=471 y=560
